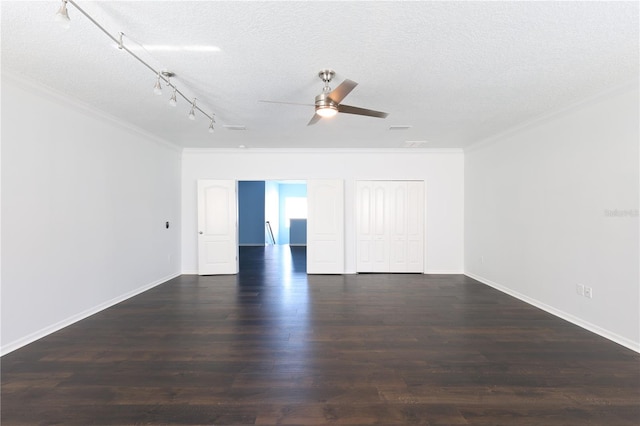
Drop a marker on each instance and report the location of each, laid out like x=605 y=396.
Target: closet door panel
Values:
x=398 y=227
x=390 y=228
x=381 y=226
x=415 y=226
x=364 y=226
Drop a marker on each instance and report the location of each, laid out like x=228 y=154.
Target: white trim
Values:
x=444 y=272
x=38 y=88
x=189 y=272
x=630 y=344
x=23 y=341
x=357 y=151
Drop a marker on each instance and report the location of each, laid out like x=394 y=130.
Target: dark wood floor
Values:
x=273 y=346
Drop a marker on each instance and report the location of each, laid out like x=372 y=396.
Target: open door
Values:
x=217 y=227
x=325 y=226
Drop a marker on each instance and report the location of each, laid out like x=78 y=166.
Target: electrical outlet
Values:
x=588 y=292
x=580 y=289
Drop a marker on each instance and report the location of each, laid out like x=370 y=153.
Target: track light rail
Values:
x=119 y=41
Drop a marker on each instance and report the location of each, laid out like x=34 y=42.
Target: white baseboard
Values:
x=627 y=343
x=444 y=272
x=23 y=341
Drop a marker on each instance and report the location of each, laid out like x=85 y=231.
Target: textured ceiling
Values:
x=457 y=72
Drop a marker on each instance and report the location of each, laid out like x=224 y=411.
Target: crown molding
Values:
x=37 y=88
x=600 y=96
x=357 y=151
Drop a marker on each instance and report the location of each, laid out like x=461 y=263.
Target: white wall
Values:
x=535 y=213
x=84 y=205
x=442 y=172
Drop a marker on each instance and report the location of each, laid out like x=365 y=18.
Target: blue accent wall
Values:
x=251 y=221
x=298 y=232
x=288 y=190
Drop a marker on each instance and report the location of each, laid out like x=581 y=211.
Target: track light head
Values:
x=157 y=88
x=62 y=16
x=192 y=113
x=173 y=100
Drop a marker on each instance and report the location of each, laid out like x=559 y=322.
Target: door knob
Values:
x=200 y=232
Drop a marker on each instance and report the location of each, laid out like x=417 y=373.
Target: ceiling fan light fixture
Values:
x=327 y=111
x=325 y=106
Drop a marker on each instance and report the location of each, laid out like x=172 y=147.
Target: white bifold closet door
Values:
x=390 y=226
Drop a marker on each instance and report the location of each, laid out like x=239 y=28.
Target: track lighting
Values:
x=192 y=113
x=173 y=101
x=157 y=88
x=62 y=16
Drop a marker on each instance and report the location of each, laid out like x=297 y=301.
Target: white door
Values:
x=390 y=226
x=217 y=227
x=325 y=226
x=415 y=226
x=372 y=222
x=381 y=217
x=398 y=226
x=364 y=225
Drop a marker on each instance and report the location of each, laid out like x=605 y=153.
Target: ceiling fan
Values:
x=328 y=104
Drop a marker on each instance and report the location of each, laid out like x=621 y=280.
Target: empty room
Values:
x=353 y=212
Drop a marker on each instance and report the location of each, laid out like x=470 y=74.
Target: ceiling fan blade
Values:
x=361 y=111
x=340 y=92
x=286 y=103
x=314 y=119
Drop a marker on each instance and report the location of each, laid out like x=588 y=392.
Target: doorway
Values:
x=272 y=226
x=218 y=233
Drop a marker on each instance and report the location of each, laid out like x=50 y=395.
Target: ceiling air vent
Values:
x=414 y=144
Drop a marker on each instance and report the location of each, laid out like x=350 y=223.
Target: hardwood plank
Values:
x=275 y=346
